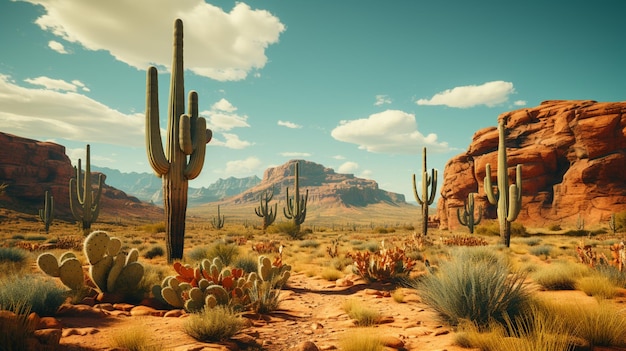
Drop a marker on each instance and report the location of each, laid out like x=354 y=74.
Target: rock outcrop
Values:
x=573 y=156
x=30 y=167
x=325 y=186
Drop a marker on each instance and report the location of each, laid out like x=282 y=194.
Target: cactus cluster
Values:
x=212 y=284
x=110 y=269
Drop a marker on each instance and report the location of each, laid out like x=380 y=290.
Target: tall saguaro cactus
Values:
x=427 y=198
x=46 y=214
x=264 y=210
x=185 y=148
x=84 y=203
x=296 y=206
x=508 y=198
x=467 y=218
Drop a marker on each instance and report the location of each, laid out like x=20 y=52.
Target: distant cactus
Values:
x=296 y=206
x=427 y=198
x=613 y=223
x=187 y=137
x=580 y=222
x=46 y=214
x=218 y=223
x=467 y=217
x=84 y=203
x=264 y=210
x=3 y=188
x=508 y=199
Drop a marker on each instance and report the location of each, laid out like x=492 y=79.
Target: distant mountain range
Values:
x=147 y=186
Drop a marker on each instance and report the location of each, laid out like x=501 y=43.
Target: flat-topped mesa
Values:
x=574 y=157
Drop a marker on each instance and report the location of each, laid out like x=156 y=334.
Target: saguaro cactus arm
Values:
x=154 y=147
x=264 y=210
x=296 y=206
x=466 y=218
x=427 y=197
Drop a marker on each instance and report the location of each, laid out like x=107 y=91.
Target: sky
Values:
x=360 y=86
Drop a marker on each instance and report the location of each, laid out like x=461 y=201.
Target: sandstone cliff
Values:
x=573 y=156
x=325 y=187
x=30 y=167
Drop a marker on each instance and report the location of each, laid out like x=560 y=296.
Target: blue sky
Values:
x=358 y=86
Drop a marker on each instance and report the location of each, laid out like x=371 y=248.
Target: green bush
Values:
x=43 y=296
x=213 y=324
x=288 y=228
x=477 y=285
x=309 y=243
x=541 y=250
x=198 y=253
x=559 y=276
x=13 y=254
x=226 y=252
x=154 y=251
x=248 y=263
x=492 y=228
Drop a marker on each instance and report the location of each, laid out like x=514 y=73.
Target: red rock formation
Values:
x=573 y=156
x=30 y=167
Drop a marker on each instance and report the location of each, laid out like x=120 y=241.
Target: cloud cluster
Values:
x=222 y=118
x=221 y=45
x=390 y=131
x=58 y=111
x=489 y=94
x=244 y=167
x=288 y=124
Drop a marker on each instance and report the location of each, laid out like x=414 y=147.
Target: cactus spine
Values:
x=264 y=210
x=84 y=203
x=187 y=137
x=509 y=202
x=427 y=198
x=218 y=223
x=296 y=206
x=467 y=217
x=46 y=214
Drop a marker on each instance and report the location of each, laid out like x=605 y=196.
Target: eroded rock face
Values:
x=324 y=185
x=573 y=156
x=30 y=167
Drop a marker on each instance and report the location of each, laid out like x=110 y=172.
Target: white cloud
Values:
x=489 y=94
x=391 y=131
x=44 y=113
x=242 y=167
x=520 y=103
x=220 y=45
x=56 y=46
x=366 y=174
x=221 y=117
x=223 y=105
x=339 y=157
x=381 y=100
x=289 y=124
x=55 y=84
x=348 y=167
x=230 y=141
x=295 y=154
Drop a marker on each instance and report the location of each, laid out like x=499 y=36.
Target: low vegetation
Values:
x=213 y=324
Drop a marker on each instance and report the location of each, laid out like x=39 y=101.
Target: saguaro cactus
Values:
x=467 y=217
x=218 y=223
x=296 y=206
x=508 y=198
x=46 y=214
x=187 y=137
x=84 y=203
x=264 y=210
x=427 y=198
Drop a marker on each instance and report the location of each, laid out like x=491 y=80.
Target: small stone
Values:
x=174 y=313
x=391 y=341
x=50 y=337
x=123 y=306
x=142 y=311
x=49 y=323
x=307 y=346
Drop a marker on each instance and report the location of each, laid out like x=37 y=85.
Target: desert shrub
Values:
x=555 y=227
x=264 y=297
x=465 y=240
x=331 y=274
x=530 y=241
x=362 y=315
x=18 y=237
x=135 y=338
x=620 y=221
x=287 y=227
x=541 y=250
x=340 y=262
x=492 y=228
x=474 y=285
x=15 y=331
x=559 y=276
x=598 y=286
x=371 y=246
x=248 y=263
x=36 y=238
x=398 y=296
x=13 y=254
x=226 y=252
x=360 y=340
x=615 y=276
x=309 y=243
x=213 y=324
x=383 y=230
x=198 y=253
x=43 y=296
x=154 y=251
x=385 y=265
x=153 y=228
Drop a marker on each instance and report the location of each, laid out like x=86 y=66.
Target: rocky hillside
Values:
x=30 y=167
x=147 y=186
x=324 y=185
x=573 y=156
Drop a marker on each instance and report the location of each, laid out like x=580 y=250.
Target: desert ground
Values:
x=312 y=312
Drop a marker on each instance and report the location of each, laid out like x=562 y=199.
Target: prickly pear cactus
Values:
x=67 y=268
